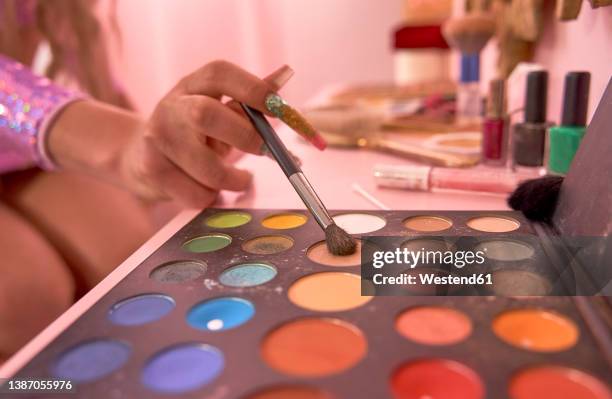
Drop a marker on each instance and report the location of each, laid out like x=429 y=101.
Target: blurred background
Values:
x=326 y=42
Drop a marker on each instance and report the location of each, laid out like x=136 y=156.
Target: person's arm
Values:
x=179 y=152
x=28 y=106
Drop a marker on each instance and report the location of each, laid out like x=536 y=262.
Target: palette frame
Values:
x=234 y=382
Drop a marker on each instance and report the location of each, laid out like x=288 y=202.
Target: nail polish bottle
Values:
x=529 y=137
x=495 y=126
x=468 y=90
x=565 y=139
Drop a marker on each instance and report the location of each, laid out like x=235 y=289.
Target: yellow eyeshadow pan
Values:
x=283 y=221
x=226 y=220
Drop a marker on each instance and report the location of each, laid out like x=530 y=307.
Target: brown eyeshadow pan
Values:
x=320 y=254
x=494 y=224
x=267 y=245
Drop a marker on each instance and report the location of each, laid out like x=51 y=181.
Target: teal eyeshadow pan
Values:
x=247 y=275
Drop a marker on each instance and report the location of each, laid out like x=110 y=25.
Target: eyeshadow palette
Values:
x=250 y=304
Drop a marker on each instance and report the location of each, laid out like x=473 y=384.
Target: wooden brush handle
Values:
x=424 y=155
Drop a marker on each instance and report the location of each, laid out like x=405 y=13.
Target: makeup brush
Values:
x=469 y=33
x=537 y=198
x=339 y=242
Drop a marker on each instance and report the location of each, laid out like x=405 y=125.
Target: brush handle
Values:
x=272 y=141
x=290 y=167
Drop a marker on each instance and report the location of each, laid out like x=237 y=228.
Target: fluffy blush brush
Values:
x=469 y=33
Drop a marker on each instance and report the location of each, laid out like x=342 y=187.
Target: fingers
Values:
x=279 y=77
x=155 y=177
x=185 y=190
x=276 y=79
x=201 y=163
x=220 y=78
x=208 y=117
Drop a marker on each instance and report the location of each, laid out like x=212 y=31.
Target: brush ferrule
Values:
x=311 y=199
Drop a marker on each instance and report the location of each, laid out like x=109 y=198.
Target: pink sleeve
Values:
x=28 y=106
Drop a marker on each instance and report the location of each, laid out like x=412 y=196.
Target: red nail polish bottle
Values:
x=495 y=126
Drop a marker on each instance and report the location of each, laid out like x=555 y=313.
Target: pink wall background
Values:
x=325 y=41
x=584 y=44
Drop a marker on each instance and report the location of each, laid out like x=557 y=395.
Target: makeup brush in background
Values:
x=469 y=33
x=339 y=242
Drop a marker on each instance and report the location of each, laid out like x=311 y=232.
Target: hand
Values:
x=180 y=151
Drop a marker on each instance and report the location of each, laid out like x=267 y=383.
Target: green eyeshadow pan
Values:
x=207 y=243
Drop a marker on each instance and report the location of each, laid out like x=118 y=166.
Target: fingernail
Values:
x=281 y=76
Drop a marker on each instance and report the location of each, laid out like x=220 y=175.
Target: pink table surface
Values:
x=331 y=172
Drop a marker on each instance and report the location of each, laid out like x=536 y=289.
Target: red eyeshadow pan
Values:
x=557 y=382
x=436 y=379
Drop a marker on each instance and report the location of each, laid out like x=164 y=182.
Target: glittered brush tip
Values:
x=286 y=113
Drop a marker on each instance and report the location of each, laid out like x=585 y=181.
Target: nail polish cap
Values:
x=535 y=97
x=575 y=99
x=496 y=102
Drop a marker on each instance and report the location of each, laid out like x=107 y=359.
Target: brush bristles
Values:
x=537 y=198
x=339 y=242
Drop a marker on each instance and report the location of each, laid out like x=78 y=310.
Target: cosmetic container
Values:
x=427 y=178
x=529 y=136
x=469 y=104
x=565 y=139
x=495 y=126
x=420 y=55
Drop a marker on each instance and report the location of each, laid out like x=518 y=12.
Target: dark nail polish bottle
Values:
x=565 y=139
x=495 y=126
x=529 y=137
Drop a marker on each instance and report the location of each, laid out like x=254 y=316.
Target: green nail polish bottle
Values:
x=565 y=139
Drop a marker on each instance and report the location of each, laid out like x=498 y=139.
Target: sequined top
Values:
x=28 y=105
